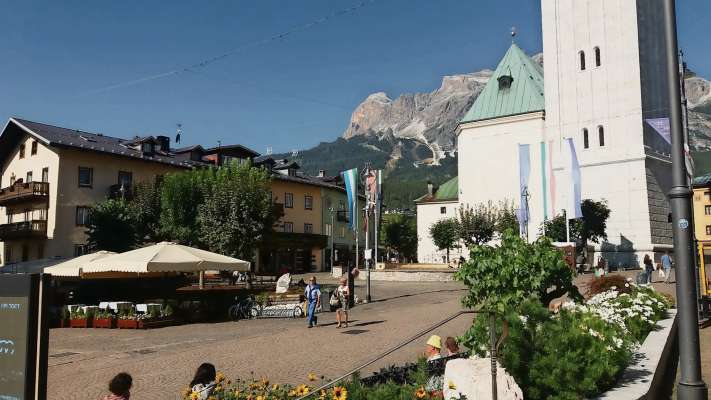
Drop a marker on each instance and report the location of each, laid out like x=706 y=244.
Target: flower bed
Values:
x=580 y=351
x=105 y=323
x=80 y=323
x=262 y=389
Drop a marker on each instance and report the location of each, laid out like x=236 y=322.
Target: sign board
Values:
x=23 y=337
x=368 y=254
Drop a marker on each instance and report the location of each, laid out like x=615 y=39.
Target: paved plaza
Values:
x=162 y=361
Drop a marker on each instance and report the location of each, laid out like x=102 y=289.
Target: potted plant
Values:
x=127 y=319
x=104 y=319
x=81 y=319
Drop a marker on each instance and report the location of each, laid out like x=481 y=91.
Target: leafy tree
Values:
x=500 y=278
x=145 y=209
x=181 y=195
x=111 y=226
x=591 y=227
x=445 y=234
x=400 y=234
x=506 y=219
x=236 y=212
x=477 y=225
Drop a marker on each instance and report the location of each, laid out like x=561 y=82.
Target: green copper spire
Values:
x=515 y=88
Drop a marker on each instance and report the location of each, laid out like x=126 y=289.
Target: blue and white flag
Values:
x=350 y=178
x=576 y=196
x=524 y=170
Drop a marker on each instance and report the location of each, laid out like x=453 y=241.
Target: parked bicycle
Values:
x=246 y=308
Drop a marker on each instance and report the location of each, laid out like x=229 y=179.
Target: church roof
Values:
x=448 y=191
x=523 y=95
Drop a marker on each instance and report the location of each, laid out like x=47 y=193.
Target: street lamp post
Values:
x=691 y=385
x=332 y=211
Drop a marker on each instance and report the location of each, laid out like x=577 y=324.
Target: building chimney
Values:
x=163 y=143
x=322 y=173
x=430 y=188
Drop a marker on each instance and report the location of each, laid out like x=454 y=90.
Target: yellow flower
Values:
x=339 y=393
x=275 y=386
x=194 y=396
x=452 y=385
x=292 y=393
x=322 y=394
x=260 y=397
x=302 y=390
x=312 y=376
x=219 y=377
x=218 y=388
x=420 y=393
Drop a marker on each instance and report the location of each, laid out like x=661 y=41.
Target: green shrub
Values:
x=557 y=356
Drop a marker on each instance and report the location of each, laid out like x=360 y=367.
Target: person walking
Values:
x=120 y=387
x=648 y=268
x=203 y=382
x=666 y=265
x=343 y=294
x=313 y=299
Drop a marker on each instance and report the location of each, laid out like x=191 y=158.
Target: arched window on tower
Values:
x=582 y=60
x=601 y=135
x=586 y=139
x=598 y=60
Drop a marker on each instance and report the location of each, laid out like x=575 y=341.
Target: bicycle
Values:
x=246 y=308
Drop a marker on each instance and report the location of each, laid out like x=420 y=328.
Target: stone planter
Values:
x=652 y=372
x=105 y=323
x=80 y=323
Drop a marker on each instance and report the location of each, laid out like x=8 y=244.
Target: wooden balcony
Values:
x=23 y=230
x=24 y=192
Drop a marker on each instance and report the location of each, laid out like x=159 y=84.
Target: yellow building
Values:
x=305 y=233
x=702 y=229
x=50 y=177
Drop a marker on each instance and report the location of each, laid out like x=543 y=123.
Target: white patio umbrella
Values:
x=73 y=267
x=165 y=257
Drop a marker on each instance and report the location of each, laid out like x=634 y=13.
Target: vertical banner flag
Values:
x=575 y=198
x=371 y=188
x=544 y=181
x=379 y=193
x=663 y=128
x=350 y=178
x=524 y=169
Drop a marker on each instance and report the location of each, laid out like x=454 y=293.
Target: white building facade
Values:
x=604 y=76
x=438 y=204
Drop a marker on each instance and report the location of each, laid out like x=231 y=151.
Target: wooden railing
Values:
x=25 y=229
x=24 y=191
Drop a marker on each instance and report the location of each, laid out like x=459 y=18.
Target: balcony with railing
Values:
x=24 y=192
x=23 y=230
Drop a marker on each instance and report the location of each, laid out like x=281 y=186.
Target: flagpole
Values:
x=567 y=226
x=351 y=282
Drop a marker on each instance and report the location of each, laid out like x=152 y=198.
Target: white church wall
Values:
x=610 y=95
x=489 y=163
x=427 y=215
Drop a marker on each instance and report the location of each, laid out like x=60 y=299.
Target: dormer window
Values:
x=147 y=148
x=505 y=82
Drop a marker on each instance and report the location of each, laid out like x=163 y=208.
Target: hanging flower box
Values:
x=106 y=323
x=127 y=324
x=80 y=323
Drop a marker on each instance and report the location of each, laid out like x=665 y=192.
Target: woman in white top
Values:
x=343 y=294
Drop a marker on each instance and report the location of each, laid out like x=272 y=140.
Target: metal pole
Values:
x=492 y=329
x=367 y=234
x=567 y=227
x=333 y=230
x=351 y=282
x=691 y=386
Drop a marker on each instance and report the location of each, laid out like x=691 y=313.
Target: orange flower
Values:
x=420 y=393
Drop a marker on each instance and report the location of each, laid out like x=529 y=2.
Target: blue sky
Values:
x=58 y=58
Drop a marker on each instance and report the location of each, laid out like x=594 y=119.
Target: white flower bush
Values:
x=635 y=313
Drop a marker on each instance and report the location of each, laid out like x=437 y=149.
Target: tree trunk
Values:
x=447 y=255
